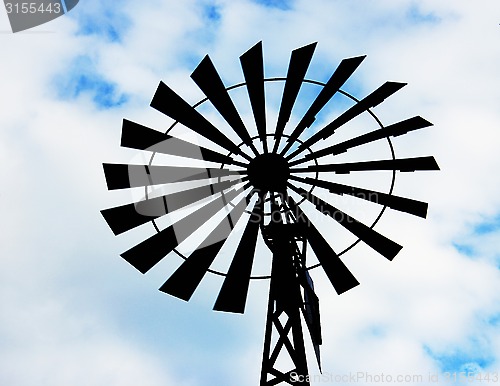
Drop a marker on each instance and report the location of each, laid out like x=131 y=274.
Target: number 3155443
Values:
x=33 y=7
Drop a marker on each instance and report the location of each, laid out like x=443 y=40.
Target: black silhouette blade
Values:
x=372 y=100
x=148 y=253
x=233 y=294
x=338 y=78
x=394 y=130
x=126 y=217
x=170 y=103
x=208 y=80
x=140 y=137
x=136 y=136
x=340 y=276
x=386 y=247
x=297 y=68
x=403 y=165
x=123 y=176
x=401 y=204
x=123 y=218
x=252 y=64
x=188 y=276
x=312 y=316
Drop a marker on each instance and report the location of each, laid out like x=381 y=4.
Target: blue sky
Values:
x=82 y=78
x=73 y=312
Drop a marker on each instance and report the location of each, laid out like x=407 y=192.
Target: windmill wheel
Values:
x=244 y=172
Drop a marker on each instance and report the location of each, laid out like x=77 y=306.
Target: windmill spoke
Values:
x=170 y=103
x=341 y=278
x=404 y=165
x=136 y=136
x=401 y=204
x=394 y=130
x=386 y=247
x=338 y=78
x=188 y=276
x=208 y=80
x=252 y=64
x=297 y=68
x=123 y=176
x=148 y=253
x=233 y=294
x=123 y=218
x=372 y=100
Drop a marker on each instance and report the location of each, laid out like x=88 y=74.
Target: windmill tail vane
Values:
x=260 y=179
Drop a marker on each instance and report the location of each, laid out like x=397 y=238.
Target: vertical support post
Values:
x=283 y=315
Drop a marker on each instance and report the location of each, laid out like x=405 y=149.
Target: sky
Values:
x=74 y=313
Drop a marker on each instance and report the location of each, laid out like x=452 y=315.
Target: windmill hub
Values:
x=269 y=172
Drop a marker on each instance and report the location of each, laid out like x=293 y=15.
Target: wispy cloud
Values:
x=465 y=249
x=474 y=359
x=107 y=21
x=479 y=240
x=280 y=4
x=213 y=13
x=82 y=78
x=488 y=226
x=417 y=15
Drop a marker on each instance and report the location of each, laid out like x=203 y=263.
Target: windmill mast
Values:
x=285 y=302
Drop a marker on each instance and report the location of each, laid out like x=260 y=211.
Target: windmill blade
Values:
x=297 y=68
x=126 y=217
x=372 y=100
x=136 y=136
x=311 y=303
x=401 y=204
x=403 y=165
x=233 y=294
x=252 y=64
x=393 y=130
x=340 y=276
x=170 y=103
x=311 y=314
x=188 y=276
x=148 y=253
x=123 y=176
x=208 y=80
x=338 y=78
x=386 y=247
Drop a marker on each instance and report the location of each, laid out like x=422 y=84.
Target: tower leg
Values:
x=283 y=321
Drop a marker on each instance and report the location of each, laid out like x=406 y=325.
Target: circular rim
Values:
x=281 y=79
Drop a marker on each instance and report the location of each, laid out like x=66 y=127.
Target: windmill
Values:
x=266 y=185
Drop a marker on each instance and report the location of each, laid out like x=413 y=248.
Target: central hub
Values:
x=269 y=172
